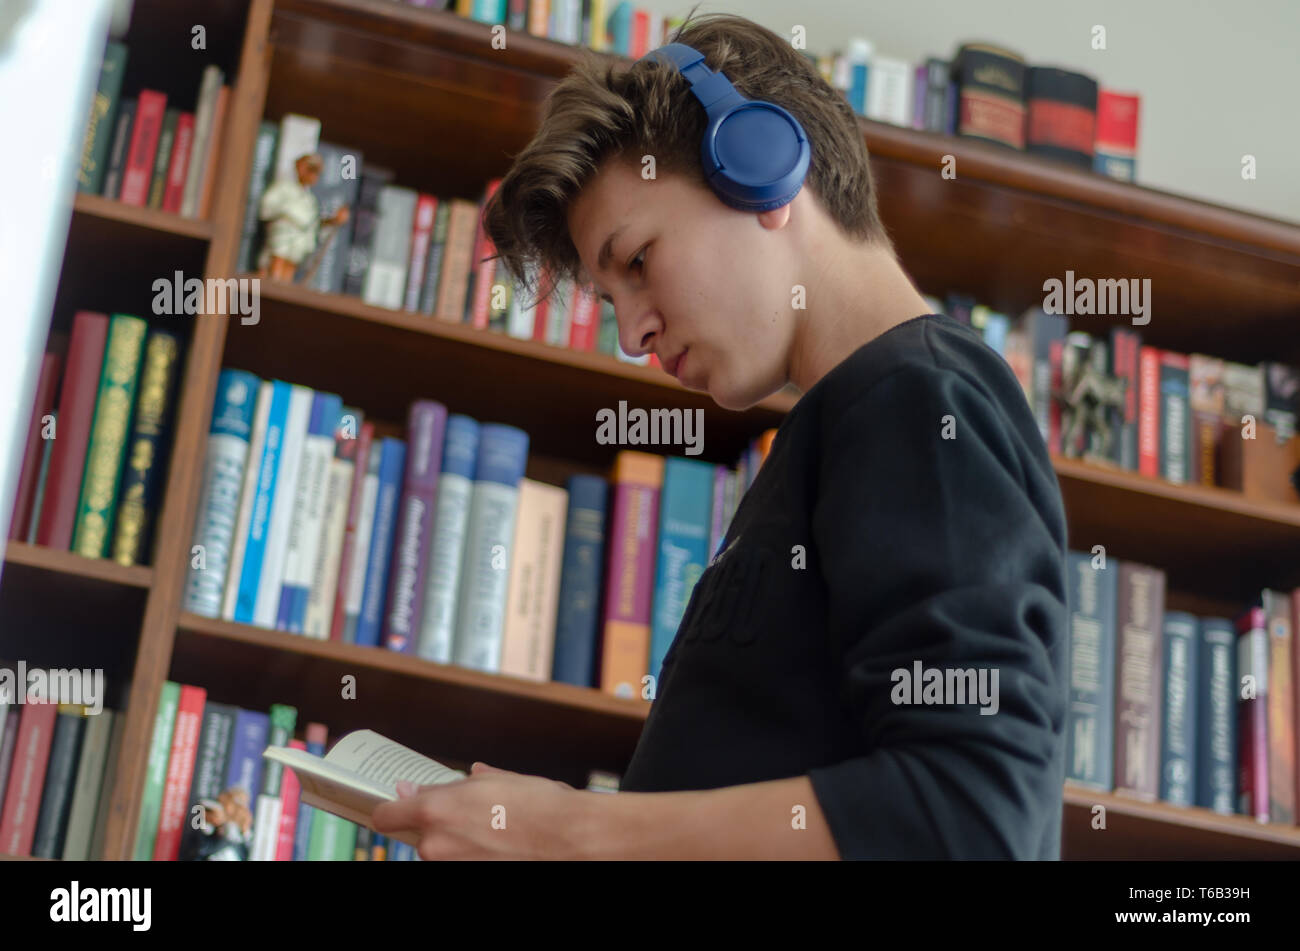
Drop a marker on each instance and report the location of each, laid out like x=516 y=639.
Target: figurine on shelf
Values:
x=1091 y=400
x=226 y=829
x=292 y=213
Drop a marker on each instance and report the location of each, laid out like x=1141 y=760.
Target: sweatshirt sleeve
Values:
x=948 y=552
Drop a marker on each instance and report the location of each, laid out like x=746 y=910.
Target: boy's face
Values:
x=689 y=275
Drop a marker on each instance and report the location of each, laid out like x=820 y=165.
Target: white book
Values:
x=306 y=526
x=266 y=827
x=519 y=318
x=89 y=785
x=446 y=558
x=889 y=91
x=390 y=253
x=360 y=773
x=204 y=116
x=299 y=136
x=286 y=488
x=481 y=603
x=558 y=313
x=356 y=582
x=325 y=572
x=533 y=596
x=247 y=497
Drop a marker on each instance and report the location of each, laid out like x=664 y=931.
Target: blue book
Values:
x=1216 y=718
x=685 y=508
x=1178 y=713
x=302 y=831
x=244 y=767
x=1091 y=600
x=995 y=332
x=250 y=570
x=577 y=623
x=619 y=26
x=392 y=462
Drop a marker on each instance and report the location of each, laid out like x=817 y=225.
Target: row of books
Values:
x=57 y=766
x=95 y=458
x=1191 y=710
x=596 y=24
x=143 y=151
x=407 y=250
x=438 y=545
x=1184 y=418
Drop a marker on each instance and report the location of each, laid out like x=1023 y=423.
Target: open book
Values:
x=359 y=773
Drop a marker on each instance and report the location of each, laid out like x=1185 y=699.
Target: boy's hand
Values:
x=491 y=814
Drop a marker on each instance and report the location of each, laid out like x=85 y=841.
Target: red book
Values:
x=180 y=163
x=1149 y=411
x=214 y=150
x=1252 y=714
x=364 y=439
x=290 y=790
x=149 y=111
x=583 y=319
x=421 y=233
x=1117 y=122
x=640 y=39
x=22 y=800
x=483 y=270
x=33 y=449
x=180 y=772
x=542 y=310
x=76 y=413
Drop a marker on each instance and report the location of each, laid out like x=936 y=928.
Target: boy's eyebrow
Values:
x=607 y=249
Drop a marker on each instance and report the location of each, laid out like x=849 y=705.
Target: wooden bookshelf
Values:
x=377 y=73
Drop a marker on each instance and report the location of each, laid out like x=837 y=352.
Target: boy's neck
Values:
x=858 y=293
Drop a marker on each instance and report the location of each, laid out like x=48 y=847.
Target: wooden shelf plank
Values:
x=106 y=208
x=1158 y=830
x=69 y=563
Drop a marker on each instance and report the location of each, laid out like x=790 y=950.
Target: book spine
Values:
x=363 y=219
x=180 y=773
x=249 y=555
x=60 y=780
x=204 y=115
x=392 y=461
x=447 y=545
x=991 y=86
x=1149 y=411
x=1175 y=432
x=1124 y=348
x=89 y=787
x=356 y=587
x=259 y=178
x=251 y=469
x=31 y=758
x=285 y=497
x=146 y=460
x=162 y=158
x=433 y=266
x=182 y=149
x=521 y=318
x=1281 y=710
x=503 y=455
x=103 y=109
x=385 y=283
x=214 y=152
x=683 y=549
x=151 y=107
x=338 y=490
x=24 y=511
x=1205 y=400
x=1252 y=714
x=938 y=77
x=1061 y=115
x=155 y=776
x=9 y=716
x=266 y=823
x=1138 y=704
x=1090 y=729
x=316 y=736
x=290 y=793
x=121 y=142
x=307 y=520
x=106 y=450
x=577 y=624
x=245 y=766
x=426 y=208
x=1117 y=131
x=528 y=635
x=58 y=515
x=336 y=188
x=583 y=320
x=104 y=807
x=42 y=475
x=1178 y=761
x=1216 y=734
x=209 y=770
x=482 y=267
x=347 y=556
x=425 y=432
x=454 y=281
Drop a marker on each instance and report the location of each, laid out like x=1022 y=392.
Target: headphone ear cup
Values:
x=756 y=156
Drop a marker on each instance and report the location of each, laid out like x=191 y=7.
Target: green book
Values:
x=123 y=354
x=166 y=139
x=160 y=748
x=333 y=838
x=99 y=130
x=266 y=821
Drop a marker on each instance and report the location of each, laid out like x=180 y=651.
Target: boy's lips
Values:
x=674 y=365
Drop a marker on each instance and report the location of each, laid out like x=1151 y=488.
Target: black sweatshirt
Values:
x=907 y=522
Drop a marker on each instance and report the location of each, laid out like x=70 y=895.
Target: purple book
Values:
x=244 y=768
x=426 y=426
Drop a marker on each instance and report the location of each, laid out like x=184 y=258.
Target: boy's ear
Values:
x=776 y=218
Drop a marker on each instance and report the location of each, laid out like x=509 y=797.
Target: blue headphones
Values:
x=755 y=154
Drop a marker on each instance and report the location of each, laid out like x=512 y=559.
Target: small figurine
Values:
x=293 y=215
x=1091 y=400
x=227 y=830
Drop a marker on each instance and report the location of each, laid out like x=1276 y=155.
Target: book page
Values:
x=383 y=762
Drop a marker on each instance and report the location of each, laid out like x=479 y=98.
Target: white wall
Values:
x=1219 y=79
